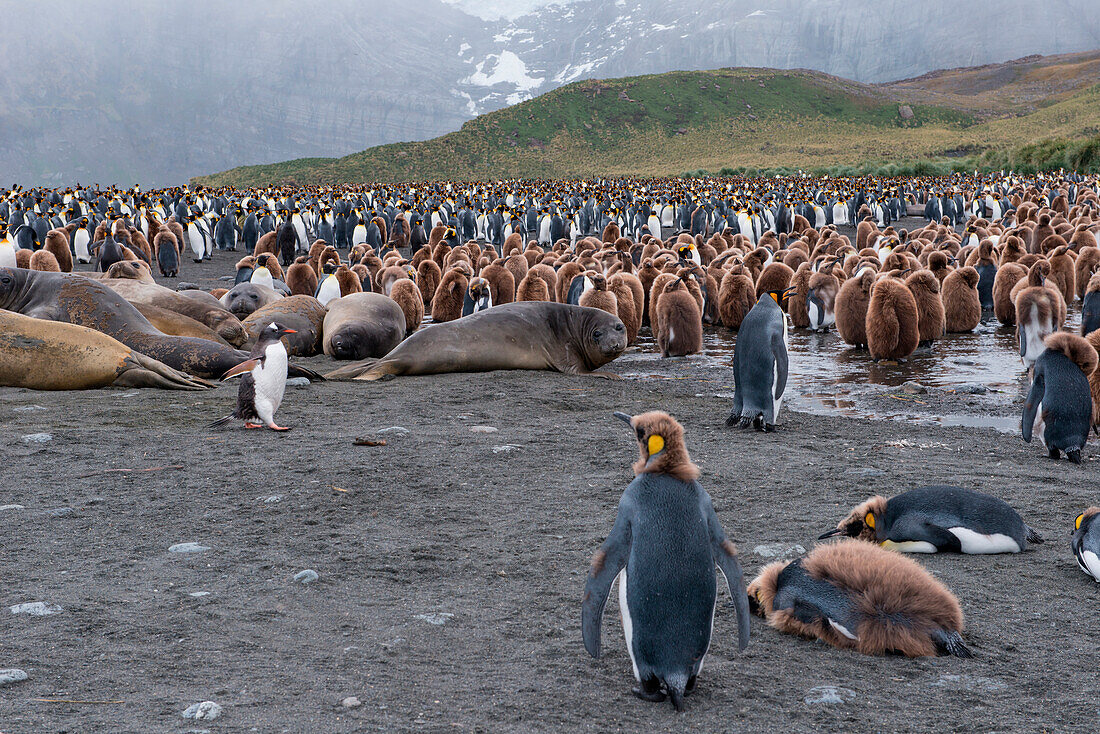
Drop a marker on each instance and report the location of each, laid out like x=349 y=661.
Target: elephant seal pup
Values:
x=528 y=335
x=361 y=325
x=125 y=278
x=244 y=299
x=44 y=355
x=75 y=299
x=304 y=314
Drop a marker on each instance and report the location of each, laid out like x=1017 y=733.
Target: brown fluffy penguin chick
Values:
x=1087 y=264
x=736 y=297
x=349 y=281
x=775 y=277
x=931 y=320
x=1094 y=382
x=891 y=321
x=852 y=302
x=23 y=259
x=600 y=297
x=565 y=275
x=45 y=261
x=502 y=284
x=532 y=288
x=679 y=324
x=656 y=288
x=428 y=276
x=57 y=243
x=408 y=297
x=858 y=596
x=961 y=305
x=449 y=295
x=301 y=278
x=624 y=299
x=1004 y=305
x=661 y=446
x=1063 y=272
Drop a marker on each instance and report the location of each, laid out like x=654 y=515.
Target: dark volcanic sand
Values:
x=444 y=521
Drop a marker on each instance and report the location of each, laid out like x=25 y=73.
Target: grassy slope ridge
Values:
x=666 y=123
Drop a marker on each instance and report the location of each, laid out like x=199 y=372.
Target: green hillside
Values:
x=668 y=123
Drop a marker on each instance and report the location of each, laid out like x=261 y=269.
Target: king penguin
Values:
x=663 y=547
x=263 y=381
x=1086 y=542
x=1060 y=397
x=760 y=365
x=939 y=518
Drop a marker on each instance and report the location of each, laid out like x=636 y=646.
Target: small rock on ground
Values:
x=351 y=702
x=297 y=382
x=187 y=548
x=482 y=429
x=393 y=431
x=306 y=577
x=37 y=438
x=436 y=618
x=828 y=694
x=11 y=675
x=778 y=550
x=205 y=711
x=35 y=609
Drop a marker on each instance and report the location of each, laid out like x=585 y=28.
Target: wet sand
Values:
x=489 y=533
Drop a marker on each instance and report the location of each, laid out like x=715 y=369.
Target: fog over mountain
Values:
x=131 y=91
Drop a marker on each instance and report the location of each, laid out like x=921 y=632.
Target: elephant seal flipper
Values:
x=141 y=371
x=525 y=335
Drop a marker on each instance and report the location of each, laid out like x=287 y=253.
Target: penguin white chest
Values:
x=262 y=276
x=976 y=543
x=628 y=624
x=1090 y=564
x=270 y=381
x=330 y=289
x=7 y=255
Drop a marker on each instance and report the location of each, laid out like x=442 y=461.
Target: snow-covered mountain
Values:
x=126 y=90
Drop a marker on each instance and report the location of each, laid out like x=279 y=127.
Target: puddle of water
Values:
x=826 y=374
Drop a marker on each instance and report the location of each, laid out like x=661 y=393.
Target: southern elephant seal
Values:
x=45 y=355
x=361 y=325
x=531 y=335
x=244 y=299
x=78 y=300
x=304 y=314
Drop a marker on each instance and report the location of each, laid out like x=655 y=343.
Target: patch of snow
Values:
x=507 y=69
x=756 y=14
x=659 y=27
x=464 y=48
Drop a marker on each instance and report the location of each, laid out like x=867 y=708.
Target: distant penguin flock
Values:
x=359 y=272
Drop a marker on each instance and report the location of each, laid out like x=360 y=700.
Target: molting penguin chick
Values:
x=679 y=324
x=599 y=296
x=858 y=596
x=479 y=297
x=1086 y=542
x=263 y=381
x=1060 y=397
x=760 y=365
x=938 y=518
x=666 y=542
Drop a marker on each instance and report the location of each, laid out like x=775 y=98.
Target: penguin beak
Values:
x=290 y=331
x=629 y=420
x=831 y=533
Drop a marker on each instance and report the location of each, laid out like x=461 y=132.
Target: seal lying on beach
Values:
x=515 y=336
x=45 y=355
x=78 y=300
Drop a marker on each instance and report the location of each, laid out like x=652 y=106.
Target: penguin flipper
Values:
x=606 y=565
x=1034 y=397
x=1032 y=536
x=246 y=366
x=951 y=643
x=725 y=557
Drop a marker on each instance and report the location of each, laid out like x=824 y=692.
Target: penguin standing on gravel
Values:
x=666 y=542
x=760 y=364
x=935 y=519
x=1086 y=542
x=263 y=381
x=1060 y=396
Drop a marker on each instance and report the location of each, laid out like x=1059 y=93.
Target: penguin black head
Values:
x=661 y=445
x=275 y=331
x=864 y=522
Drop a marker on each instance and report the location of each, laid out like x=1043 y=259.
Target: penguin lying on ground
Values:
x=1060 y=396
x=263 y=381
x=1086 y=542
x=938 y=518
x=857 y=596
x=760 y=365
x=666 y=542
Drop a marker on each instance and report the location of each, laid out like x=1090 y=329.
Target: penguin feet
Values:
x=769 y=428
x=649 y=690
x=1054 y=453
x=731 y=420
x=275 y=427
x=690 y=687
x=1074 y=456
x=250 y=424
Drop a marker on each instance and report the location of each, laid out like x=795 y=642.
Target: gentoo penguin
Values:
x=1060 y=396
x=478 y=297
x=1086 y=542
x=857 y=596
x=760 y=365
x=939 y=518
x=263 y=381
x=679 y=327
x=666 y=542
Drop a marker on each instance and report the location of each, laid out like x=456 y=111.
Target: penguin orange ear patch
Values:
x=656 y=444
x=1077 y=522
x=775 y=297
x=870 y=520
